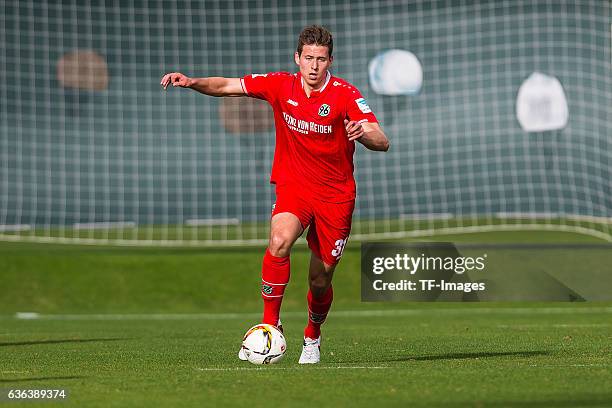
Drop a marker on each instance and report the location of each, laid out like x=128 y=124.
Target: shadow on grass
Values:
x=59 y=341
x=461 y=356
x=14 y=380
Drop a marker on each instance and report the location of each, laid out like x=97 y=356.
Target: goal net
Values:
x=498 y=114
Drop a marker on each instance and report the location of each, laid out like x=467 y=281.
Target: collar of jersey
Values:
x=314 y=93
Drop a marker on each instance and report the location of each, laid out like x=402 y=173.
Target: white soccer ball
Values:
x=264 y=344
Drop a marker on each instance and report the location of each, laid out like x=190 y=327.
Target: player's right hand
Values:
x=176 y=79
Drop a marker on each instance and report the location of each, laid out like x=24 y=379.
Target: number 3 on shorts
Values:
x=337 y=252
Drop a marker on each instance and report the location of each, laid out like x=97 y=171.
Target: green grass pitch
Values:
x=161 y=327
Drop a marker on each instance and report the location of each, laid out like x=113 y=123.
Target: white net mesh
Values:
x=94 y=151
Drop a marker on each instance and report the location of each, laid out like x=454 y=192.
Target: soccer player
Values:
x=318 y=118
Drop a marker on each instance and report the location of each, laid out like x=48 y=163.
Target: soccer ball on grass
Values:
x=264 y=344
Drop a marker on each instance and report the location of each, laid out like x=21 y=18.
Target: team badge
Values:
x=267 y=289
x=324 y=110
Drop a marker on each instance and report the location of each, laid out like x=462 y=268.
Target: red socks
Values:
x=317 y=312
x=275 y=273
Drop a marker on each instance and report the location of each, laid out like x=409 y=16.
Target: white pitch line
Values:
x=336 y=314
x=480 y=310
x=289 y=368
x=141 y=316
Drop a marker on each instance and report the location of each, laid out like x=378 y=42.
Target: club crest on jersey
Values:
x=363 y=105
x=324 y=110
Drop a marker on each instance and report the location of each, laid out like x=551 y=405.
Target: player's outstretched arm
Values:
x=368 y=134
x=213 y=86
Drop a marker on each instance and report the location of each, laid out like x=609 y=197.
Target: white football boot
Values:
x=242 y=356
x=311 y=351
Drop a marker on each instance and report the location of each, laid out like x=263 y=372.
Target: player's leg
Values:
x=320 y=295
x=327 y=237
x=290 y=215
x=285 y=229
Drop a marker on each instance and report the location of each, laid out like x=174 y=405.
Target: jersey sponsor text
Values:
x=305 y=127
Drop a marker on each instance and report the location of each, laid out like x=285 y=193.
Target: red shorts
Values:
x=330 y=223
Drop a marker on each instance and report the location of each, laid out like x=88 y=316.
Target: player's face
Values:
x=314 y=63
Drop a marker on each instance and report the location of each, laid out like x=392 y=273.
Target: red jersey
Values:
x=312 y=147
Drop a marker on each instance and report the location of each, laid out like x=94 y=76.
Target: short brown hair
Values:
x=315 y=35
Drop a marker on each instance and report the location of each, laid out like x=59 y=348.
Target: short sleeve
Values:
x=358 y=108
x=262 y=86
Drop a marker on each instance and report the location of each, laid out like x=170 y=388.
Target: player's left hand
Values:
x=354 y=130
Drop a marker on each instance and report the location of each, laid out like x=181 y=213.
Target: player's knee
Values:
x=280 y=245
